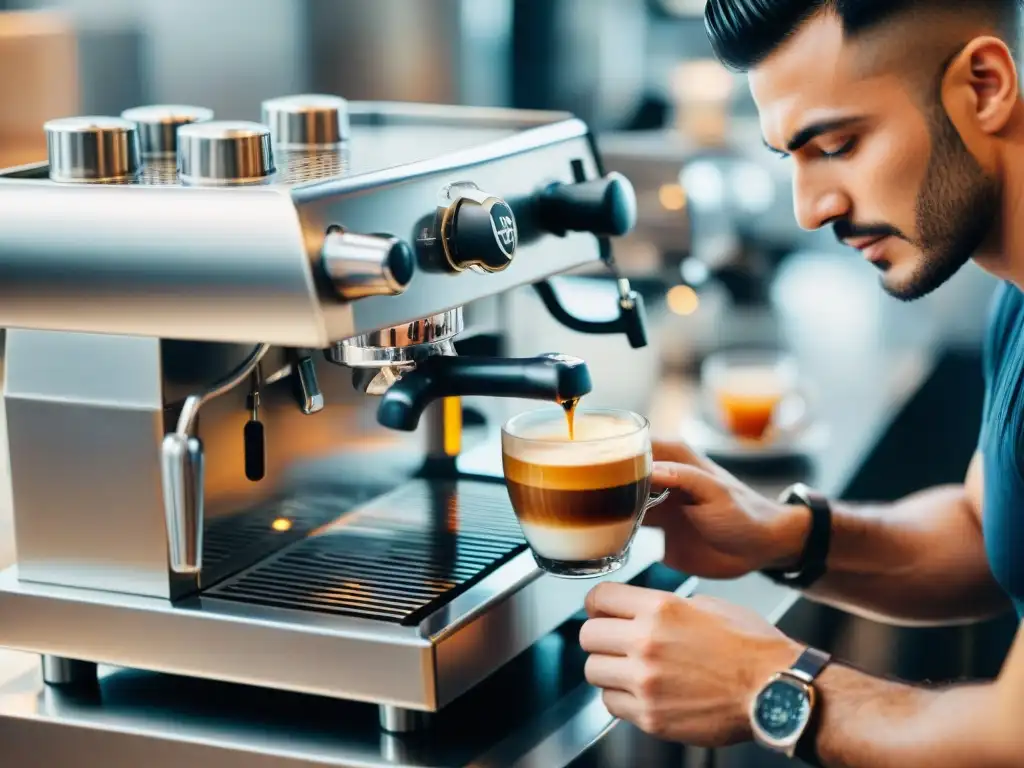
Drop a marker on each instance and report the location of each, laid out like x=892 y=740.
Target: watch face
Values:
x=782 y=709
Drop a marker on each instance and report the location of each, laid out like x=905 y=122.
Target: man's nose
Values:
x=815 y=207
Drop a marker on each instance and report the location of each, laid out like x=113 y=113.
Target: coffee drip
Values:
x=569 y=406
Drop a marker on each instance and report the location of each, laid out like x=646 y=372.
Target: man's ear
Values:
x=980 y=88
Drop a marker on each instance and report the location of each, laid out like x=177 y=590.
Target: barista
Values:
x=905 y=127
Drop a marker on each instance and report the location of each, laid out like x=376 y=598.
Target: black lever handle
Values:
x=631 y=319
x=605 y=207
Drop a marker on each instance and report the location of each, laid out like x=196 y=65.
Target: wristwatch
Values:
x=813 y=561
x=782 y=713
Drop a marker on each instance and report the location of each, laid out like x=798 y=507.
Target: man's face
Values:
x=879 y=163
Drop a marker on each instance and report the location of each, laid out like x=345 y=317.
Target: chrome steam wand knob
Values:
x=359 y=266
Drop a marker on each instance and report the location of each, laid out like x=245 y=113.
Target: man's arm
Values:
x=918 y=561
x=871 y=723
x=689 y=670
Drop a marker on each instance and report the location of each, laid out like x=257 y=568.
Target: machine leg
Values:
x=60 y=671
x=398 y=720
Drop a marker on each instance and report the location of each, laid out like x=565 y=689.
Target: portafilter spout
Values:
x=553 y=377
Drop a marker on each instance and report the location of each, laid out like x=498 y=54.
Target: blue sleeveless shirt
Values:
x=1001 y=442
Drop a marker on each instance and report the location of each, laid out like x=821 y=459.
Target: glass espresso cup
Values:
x=579 y=500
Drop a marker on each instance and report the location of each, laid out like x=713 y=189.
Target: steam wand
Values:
x=183 y=472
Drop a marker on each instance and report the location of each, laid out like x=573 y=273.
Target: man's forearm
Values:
x=920 y=560
x=871 y=723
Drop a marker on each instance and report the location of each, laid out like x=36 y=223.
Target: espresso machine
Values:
x=233 y=363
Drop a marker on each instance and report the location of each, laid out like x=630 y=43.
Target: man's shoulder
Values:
x=1004 y=320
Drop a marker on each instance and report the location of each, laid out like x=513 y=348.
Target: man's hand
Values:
x=680 y=670
x=715 y=526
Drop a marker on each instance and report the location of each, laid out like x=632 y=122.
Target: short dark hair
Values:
x=744 y=33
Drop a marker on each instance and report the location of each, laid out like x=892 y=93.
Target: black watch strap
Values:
x=813 y=561
x=810 y=664
x=807 y=668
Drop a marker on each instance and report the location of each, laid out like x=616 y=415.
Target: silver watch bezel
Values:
x=788 y=745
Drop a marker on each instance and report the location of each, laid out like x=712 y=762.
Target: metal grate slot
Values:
x=396 y=559
x=236 y=542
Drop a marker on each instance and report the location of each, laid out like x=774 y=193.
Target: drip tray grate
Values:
x=397 y=559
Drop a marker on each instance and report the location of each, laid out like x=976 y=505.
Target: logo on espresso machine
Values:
x=504 y=225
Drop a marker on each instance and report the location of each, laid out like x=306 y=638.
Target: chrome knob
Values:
x=307 y=120
x=158 y=125
x=366 y=265
x=478 y=230
x=92 y=149
x=224 y=152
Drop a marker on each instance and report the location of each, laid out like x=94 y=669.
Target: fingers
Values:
x=609 y=672
x=622 y=705
x=613 y=637
x=694 y=484
x=623 y=601
x=678 y=453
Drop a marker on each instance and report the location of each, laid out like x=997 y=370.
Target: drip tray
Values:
x=397 y=559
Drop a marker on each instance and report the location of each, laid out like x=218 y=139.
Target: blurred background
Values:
x=716 y=212
x=716 y=215
x=717 y=252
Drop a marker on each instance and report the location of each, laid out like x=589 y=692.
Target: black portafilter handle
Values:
x=605 y=207
x=552 y=377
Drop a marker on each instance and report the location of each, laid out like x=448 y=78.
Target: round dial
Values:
x=782 y=709
x=479 y=231
x=307 y=120
x=224 y=152
x=92 y=149
x=158 y=125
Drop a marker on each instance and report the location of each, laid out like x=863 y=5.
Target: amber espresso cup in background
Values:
x=745 y=389
x=579 y=501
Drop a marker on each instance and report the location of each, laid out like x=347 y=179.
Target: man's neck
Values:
x=1005 y=257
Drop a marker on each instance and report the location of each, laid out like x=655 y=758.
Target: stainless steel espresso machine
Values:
x=232 y=373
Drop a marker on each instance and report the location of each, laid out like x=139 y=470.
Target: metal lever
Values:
x=181 y=460
x=307 y=387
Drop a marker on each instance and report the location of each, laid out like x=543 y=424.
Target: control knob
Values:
x=359 y=266
x=221 y=152
x=307 y=120
x=478 y=230
x=92 y=149
x=158 y=126
x=604 y=207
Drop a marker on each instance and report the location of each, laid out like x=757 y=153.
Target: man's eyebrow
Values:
x=811 y=132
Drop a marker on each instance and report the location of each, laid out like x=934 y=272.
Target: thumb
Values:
x=693 y=484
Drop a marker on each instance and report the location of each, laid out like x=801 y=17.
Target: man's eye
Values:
x=842 y=150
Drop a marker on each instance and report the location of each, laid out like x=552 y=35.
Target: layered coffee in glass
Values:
x=579 y=481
